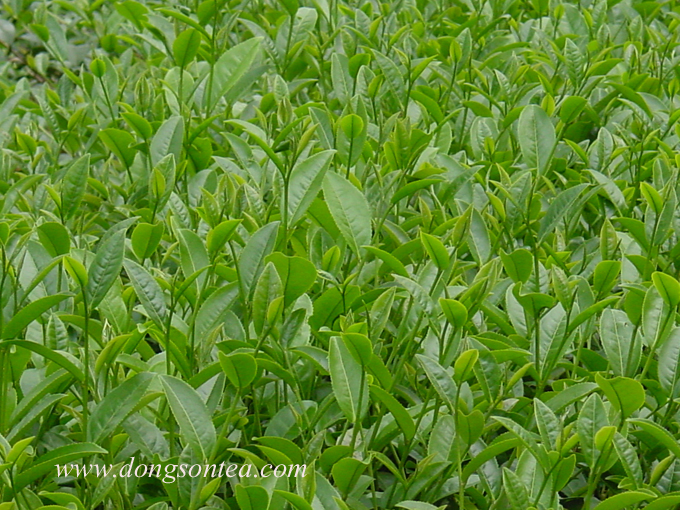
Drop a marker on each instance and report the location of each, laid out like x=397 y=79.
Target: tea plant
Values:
x=428 y=249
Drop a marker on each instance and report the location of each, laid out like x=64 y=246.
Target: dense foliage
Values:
x=428 y=248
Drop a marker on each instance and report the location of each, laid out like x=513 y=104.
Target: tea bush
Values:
x=429 y=249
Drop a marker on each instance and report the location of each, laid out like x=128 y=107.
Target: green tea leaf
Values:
x=240 y=368
x=252 y=258
x=536 y=137
x=105 y=268
x=349 y=209
x=668 y=287
x=148 y=291
x=117 y=406
x=194 y=421
x=167 y=140
x=29 y=313
x=47 y=463
x=73 y=186
x=145 y=239
x=297 y=275
x=440 y=380
x=186 y=45
x=401 y=415
x=54 y=237
x=348 y=380
x=305 y=182
x=231 y=70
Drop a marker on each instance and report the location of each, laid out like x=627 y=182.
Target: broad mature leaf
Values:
x=515 y=489
x=61 y=359
x=145 y=239
x=119 y=142
x=29 y=313
x=554 y=339
x=136 y=12
x=251 y=497
x=436 y=250
x=348 y=380
x=240 y=368
x=349 y=209
x=186 y=45
x=220 y=235
x=117 y=405
x=669 y=364
x=625 y=394
x=214 y=310
x=193 y=254
x=52 y=384
x=562 y=207
x=409 y=189
x=401 y=415
x=148 y=291
x=47 y=463
x=612 y=190
x=417 y=291
x=655 y=312
x=536 y=137
x=340 y=76
x=390 y=261
x=304 y=183
x=668 y=287
x=230 y=69
x=105 y=268
x=54 y=237
x=391 y=73
x=350 y=139
x=629 y=459
x=252 y=258
x=527 y=439
x=298 y=502
x=297 y=275
x=591 y=419
x=549 y=425
x=440 y=380
x=267 y=291
x=659 y=435
x=346 y=473
x=192 y=416
x=623 y=500
x=478 y=240
x=37 y=411
x=168 y=140
x=73 y=186
x=620 y=341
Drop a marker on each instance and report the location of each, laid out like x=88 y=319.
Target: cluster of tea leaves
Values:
x=427 y=248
